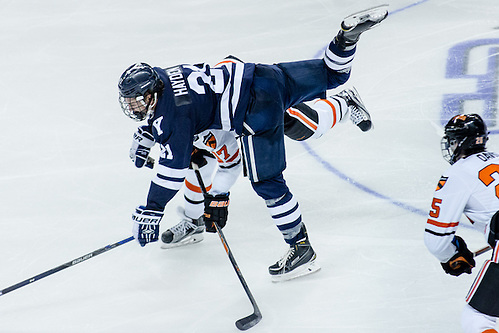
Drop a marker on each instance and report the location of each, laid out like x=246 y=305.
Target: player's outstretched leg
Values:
x=299 y=260
x=358 y=112
x=354 y=25
x=187 y=231
x=302 y=121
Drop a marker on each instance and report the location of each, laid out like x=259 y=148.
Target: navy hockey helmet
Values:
x=465 y=134
x=138 y=87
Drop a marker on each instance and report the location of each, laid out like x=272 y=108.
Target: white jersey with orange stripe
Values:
x=314 y=118
x=470 y=187
x=331 y=111
x=223 y=145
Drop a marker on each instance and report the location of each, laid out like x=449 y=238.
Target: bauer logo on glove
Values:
x=219 y=203
x=142 y=143
x=216 y=210
x=146 y=225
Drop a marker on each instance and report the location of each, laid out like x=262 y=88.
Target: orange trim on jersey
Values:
x=225 y=62
x=442 y=225
x=219 y=159
x=334 y=110
x=490 y=330
x=195 y=188
x=495 y=255
x=236 y=154
x=302 y=117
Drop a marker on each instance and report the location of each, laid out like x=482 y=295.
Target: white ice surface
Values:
x=68 y=186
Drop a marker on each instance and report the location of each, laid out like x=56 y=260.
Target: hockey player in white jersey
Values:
x=468 y=187
x=217 y=155
x=248 y=100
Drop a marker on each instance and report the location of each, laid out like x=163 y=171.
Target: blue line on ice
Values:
x=360 y=186
x=345 y=177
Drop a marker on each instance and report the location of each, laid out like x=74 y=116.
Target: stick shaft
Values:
x=482 y=251
x=236 y=268
x=64 y=266
x=230 y=255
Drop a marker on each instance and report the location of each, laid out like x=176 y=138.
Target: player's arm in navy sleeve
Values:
x=172 y=167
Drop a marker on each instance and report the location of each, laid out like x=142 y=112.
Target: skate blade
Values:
x=303 y=270
x=375 y=14
x=196 y=238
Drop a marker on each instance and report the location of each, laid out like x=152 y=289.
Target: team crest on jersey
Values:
x=210 y=140
x=441 y=182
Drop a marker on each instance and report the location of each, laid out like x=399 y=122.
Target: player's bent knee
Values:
x=300 y=122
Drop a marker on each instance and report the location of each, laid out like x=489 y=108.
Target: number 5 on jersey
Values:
x=435 y=208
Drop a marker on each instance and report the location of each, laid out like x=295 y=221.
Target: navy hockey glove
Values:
x=216 y=210
x=146 y=225
x=142 y=143
x=462 y=261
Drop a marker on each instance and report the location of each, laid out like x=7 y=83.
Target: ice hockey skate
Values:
x=354 y=25
x=358 y=112
x=187 y=231
x=298 y=261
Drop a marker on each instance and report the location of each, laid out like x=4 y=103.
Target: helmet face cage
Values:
x=138 y=89
x=465 y=134
x=450 y=148
x=138 y=108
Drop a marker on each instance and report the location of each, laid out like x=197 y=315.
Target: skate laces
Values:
x=288 y=255
x=357 y=112
x=357 y=115
x=182 y=228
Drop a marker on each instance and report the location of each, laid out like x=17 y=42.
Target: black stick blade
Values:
x=248 y=322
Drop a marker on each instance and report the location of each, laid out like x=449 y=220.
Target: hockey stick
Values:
x=249 y=321
x=482 y=250
x=63 y=266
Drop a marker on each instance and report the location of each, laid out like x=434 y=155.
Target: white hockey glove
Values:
x=142 y=143
x=146 y=225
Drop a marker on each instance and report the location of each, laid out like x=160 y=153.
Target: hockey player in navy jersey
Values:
x=248 y=101
x=468 y=187
x=217 y=155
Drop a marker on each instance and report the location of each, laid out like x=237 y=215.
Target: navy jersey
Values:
x=246 y=98
x=195 y=98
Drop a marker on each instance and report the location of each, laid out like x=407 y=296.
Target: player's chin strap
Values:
x=249 y=321
x=150 y=106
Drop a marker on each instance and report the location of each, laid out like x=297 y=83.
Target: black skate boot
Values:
x=358 y=112
x=354 y=25
x=299 y=260
x=187 y=231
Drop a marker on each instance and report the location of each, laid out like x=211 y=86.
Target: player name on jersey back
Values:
x=179 y=85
